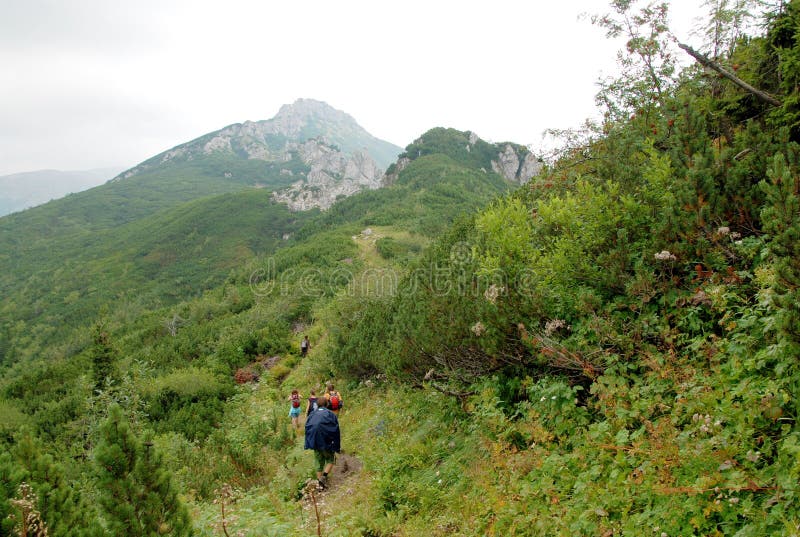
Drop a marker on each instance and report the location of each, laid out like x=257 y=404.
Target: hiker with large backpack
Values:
x=294 y=408
x=312 y=403
x=335 y=402
x=324 y=437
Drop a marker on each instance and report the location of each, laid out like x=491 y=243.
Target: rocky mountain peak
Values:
x=323 y=150
x=291 y=119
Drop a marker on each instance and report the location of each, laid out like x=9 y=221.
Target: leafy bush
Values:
x=279 y=372
x=189 y=401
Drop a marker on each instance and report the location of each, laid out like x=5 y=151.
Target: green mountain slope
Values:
x=167 y=257
x=463 y=147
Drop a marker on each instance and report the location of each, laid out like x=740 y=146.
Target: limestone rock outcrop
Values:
x=333 y=175
x=515 y=166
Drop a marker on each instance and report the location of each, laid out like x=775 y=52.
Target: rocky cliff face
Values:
x=515 y=165
x=390 y=177
x=332 y=176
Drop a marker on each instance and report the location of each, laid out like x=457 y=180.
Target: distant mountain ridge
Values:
x=20 y=191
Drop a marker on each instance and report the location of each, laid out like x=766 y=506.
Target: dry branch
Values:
x=705 y=61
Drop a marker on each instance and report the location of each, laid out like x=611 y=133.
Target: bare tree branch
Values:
x=705 y=61
x=447 y=391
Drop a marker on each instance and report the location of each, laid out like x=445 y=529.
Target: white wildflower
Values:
x=665 y=255
x=493 y=292
x=478 y=329
x=723 y=230
x=553 y=326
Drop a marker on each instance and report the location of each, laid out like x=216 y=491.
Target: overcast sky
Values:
x=105 y=83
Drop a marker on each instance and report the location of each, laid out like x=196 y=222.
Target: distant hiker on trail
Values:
x=335 y=402
x=312 y=403
x=294 y=408
x=324 y=437
x=304 y=346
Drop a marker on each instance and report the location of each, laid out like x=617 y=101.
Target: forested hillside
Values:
x=610 y=349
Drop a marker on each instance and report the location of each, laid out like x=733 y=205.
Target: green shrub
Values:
x=279 y=372
x=189 y=401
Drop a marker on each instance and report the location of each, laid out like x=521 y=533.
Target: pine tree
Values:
x=782 y=221
x=164 y=509
x=102 y=355
x=136 y=493
x=10 y=478
x=60 y=506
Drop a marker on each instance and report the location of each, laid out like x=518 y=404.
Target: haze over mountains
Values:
x=21 y=191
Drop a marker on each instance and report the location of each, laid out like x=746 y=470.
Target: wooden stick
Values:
x=316 y=510
x=224 y=522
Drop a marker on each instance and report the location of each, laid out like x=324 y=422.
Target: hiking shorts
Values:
x=323 y=458
x=294 y=412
